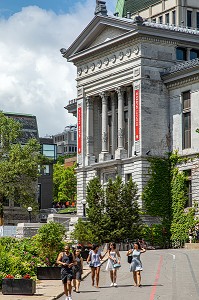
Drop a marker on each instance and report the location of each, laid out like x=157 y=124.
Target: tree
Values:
x=50 y=241
x=96 y=210
x=122 y=210
x=64 y=183
x=18 y=165
x=112 y=214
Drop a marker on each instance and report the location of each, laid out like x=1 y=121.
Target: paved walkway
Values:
x=46 y=289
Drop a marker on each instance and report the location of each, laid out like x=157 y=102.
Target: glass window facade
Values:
x=49 y=151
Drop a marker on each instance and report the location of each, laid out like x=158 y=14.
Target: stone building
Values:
x=176 y=12
x=66 y=141
x=137 y=95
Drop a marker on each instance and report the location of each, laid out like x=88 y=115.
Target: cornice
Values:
x=175 y=83
x=181 y=67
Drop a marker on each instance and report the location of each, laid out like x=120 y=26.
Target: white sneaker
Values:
x=112 y=284
x=70 y=298
x=115 y=284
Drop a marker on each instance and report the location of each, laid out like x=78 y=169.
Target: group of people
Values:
x=71 y=270
x=72 y=266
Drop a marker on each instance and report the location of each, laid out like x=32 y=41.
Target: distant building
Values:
x=69 y=162
x=66 y=141
x=175 y=12
x=45 y=180
x=13 y=212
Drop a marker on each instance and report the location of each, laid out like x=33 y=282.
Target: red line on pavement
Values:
x=156 y=279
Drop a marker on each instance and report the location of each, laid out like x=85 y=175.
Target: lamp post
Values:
x=84 y=207
x=29 y=209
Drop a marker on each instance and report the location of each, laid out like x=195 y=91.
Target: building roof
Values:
x=133 y=6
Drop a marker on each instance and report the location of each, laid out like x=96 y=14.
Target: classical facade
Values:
x=137 y=95
x=177 y=12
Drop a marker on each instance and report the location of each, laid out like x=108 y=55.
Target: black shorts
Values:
x=68 y=277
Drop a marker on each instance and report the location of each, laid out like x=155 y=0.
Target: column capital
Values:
x=89 y=102
x=104 y=96
x=120 y=90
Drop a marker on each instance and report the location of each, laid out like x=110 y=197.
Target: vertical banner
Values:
x=137 y=115
x=79 y=129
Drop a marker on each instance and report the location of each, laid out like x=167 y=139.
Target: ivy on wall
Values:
x=165 y=196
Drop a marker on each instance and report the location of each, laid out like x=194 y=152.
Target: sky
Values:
x=34 y=77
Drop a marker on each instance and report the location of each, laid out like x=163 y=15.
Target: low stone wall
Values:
x=191 y=246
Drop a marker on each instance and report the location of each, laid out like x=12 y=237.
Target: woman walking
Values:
x=77 y=270
x=136 y=265
x=113 y=258
x=67 y=260
x=95 y=258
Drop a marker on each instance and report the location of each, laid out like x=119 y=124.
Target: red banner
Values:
x=79 y=129
x=137 y=115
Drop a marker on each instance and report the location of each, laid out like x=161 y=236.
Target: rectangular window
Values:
x=174 y=17
x=181 y=53
x=188 y=188
x=197 y=19
x=194 y=53
x=167 y=18
x=160 y=20
x=186 y=119
x=128 y=176
x=189 y=18
x=49 y=151
x=46 y=169
x=154 y=20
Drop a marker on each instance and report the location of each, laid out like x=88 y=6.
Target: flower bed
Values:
x=18 y=286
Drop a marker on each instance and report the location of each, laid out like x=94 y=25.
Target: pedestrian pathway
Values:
x=46 y=289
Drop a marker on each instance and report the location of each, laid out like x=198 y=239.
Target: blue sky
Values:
x=34 y=77
x=9 y=7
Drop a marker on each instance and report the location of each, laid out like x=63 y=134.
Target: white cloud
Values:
x=34 y=77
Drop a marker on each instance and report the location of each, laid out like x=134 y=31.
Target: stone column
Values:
x=130 y=120
x=104 y=155
x=113 y=127
x=89 y=131
x=120 y=152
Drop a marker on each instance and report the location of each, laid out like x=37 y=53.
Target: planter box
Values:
x=49 y=273
x=18 y=286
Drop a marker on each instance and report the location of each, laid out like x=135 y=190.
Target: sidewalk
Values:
x=46 y=289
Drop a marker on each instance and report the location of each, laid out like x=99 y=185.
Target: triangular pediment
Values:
x=100 y=30
x=107 y=34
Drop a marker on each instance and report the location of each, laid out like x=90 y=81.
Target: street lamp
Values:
x=29 y=209
x=84 y=207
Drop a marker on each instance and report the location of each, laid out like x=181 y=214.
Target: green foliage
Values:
x=156 y=195
x=50 y=241
x=122 y=210
x=83 y=232
x=182 y=220
x=112 y=214
x=18 y=165
x=68 y=210
x=165 y=196
x=64 y=183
